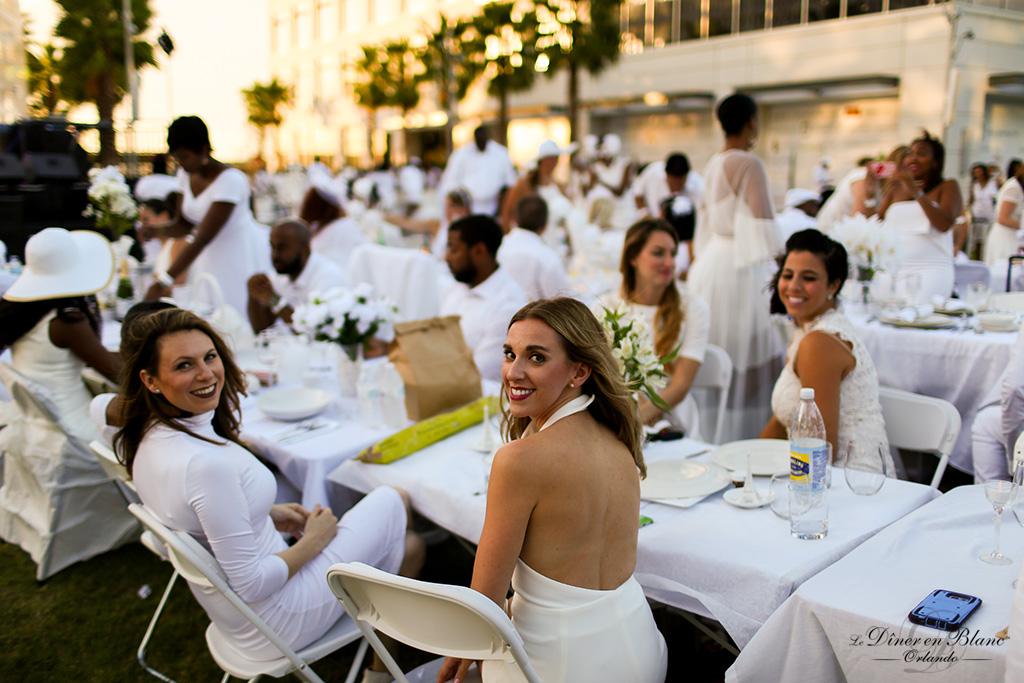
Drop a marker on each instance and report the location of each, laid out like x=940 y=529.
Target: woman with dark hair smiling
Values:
x=825 y=353
x=922 y=208
x=179 y=440
x=223 y=237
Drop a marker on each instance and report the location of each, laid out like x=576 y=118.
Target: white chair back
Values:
x=715 y=374
x=1006 y=301
x=112 y=466
x=453 y=621
x=920 y=423
x=968 y=273
x=199 y=567
x=410 y=278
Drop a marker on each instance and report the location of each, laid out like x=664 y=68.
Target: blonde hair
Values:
x=585 y=341
x=668 y=319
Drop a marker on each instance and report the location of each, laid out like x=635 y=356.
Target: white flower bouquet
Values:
x=633 y=348
x=869 y=245
x=110 y=200
x=349 y=317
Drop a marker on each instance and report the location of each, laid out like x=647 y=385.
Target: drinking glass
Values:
x=778 y=490
x=910 y=284
x=265 y=347
x=865 y=475
x=1000 y=494
x=977 y=295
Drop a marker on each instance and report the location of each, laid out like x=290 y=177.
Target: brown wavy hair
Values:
x=585 y=341
x=142 y=409
x=669 y=317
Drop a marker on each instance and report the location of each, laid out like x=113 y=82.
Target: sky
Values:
x=221 y=46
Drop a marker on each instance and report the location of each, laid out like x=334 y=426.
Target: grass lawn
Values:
x=85 y=623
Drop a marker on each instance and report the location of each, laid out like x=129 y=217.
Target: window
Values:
x=719 y=18
x=857 y=7
x=785 y=12
x=662 y=22
x=903 y=4
x=689 y=19
x=821 y=10
x=636 y=12
x=752 y=14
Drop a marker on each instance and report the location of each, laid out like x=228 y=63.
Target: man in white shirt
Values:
x=1000 y=421
x=800 y=213
x=671 y=191
x=483 y=168
x=298 y=272
x=524 y=254
x=484 y=296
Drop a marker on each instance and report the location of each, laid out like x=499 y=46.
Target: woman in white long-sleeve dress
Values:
x=214 y=216
x=563 y=502
x=922 y=208
x=736 y=242
x=179 y=440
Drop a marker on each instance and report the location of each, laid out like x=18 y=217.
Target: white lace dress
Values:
x=860 y=414
x=736 y=242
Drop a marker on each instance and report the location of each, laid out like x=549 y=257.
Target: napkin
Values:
x=909 y=314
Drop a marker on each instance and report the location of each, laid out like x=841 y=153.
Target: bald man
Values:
x=298 y=272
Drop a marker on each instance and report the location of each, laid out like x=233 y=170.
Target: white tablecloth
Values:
x=960 y=367
x=736 y=566
x=841 y=624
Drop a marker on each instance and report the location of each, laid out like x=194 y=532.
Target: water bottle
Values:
x=14 y=266
x=369 y=392
x=808 y=471
x=392 y=397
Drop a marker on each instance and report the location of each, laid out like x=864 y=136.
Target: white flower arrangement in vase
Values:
x=870 y=246
x=633 y=349
x=349 y=317
x=110 y=200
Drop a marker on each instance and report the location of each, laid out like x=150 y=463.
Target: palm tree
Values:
x=577 y=35
x=446 y=65
x=498 y=44
x=389 y=76
x=264 y=102
x=92 y=68
x=43 y=63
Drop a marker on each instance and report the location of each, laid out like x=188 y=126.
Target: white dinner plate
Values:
x=927 y=322
x=682 y=479
x=767 y=456
x=293 y=403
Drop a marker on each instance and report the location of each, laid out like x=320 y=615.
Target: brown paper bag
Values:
x=436 y=366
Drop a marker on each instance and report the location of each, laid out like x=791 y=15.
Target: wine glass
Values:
x=977 y=295
x=1000 y=493
x=911 y=285
x=864 y=474
x=265 y=347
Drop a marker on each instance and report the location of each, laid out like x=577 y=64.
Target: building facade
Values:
x=836 y=79
x=13 y=91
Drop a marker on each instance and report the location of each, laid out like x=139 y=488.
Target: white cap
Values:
x=611 y=144
x=798 y=195
x=807 y=394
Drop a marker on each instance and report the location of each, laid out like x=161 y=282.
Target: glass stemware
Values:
x=867 y=474
x=977 y=295
x=910 y=284
x=1000 y=494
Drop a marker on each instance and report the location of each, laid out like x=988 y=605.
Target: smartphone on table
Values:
x=944 y=610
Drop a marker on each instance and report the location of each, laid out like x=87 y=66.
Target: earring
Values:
x=572 y=385
x=831 y=296
x=156 y=391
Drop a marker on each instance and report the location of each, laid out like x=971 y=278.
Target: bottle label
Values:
x=807 y=465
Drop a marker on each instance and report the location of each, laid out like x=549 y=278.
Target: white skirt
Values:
x=581 y=635
x=1000 y=245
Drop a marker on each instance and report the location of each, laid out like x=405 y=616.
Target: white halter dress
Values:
x=577 y=635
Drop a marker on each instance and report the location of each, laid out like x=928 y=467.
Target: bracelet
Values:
x=164 y=278
x=279 y=305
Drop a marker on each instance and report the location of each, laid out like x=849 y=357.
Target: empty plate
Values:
x=767 y=456
x=293 y=403
x=682 y=479
x=927 y=322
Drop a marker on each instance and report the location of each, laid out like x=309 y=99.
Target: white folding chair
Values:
x=715 y=374
x=920 y=423
x=111 y=465
x=1006 y=301
x=967 y=273
x=452 y=621
x=410 y=278
x=198 y=567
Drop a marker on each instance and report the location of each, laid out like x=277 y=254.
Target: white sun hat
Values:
x=62 y=264
x=611 y=145
x=156 y=186
x=798 y=195
x=325 y=186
